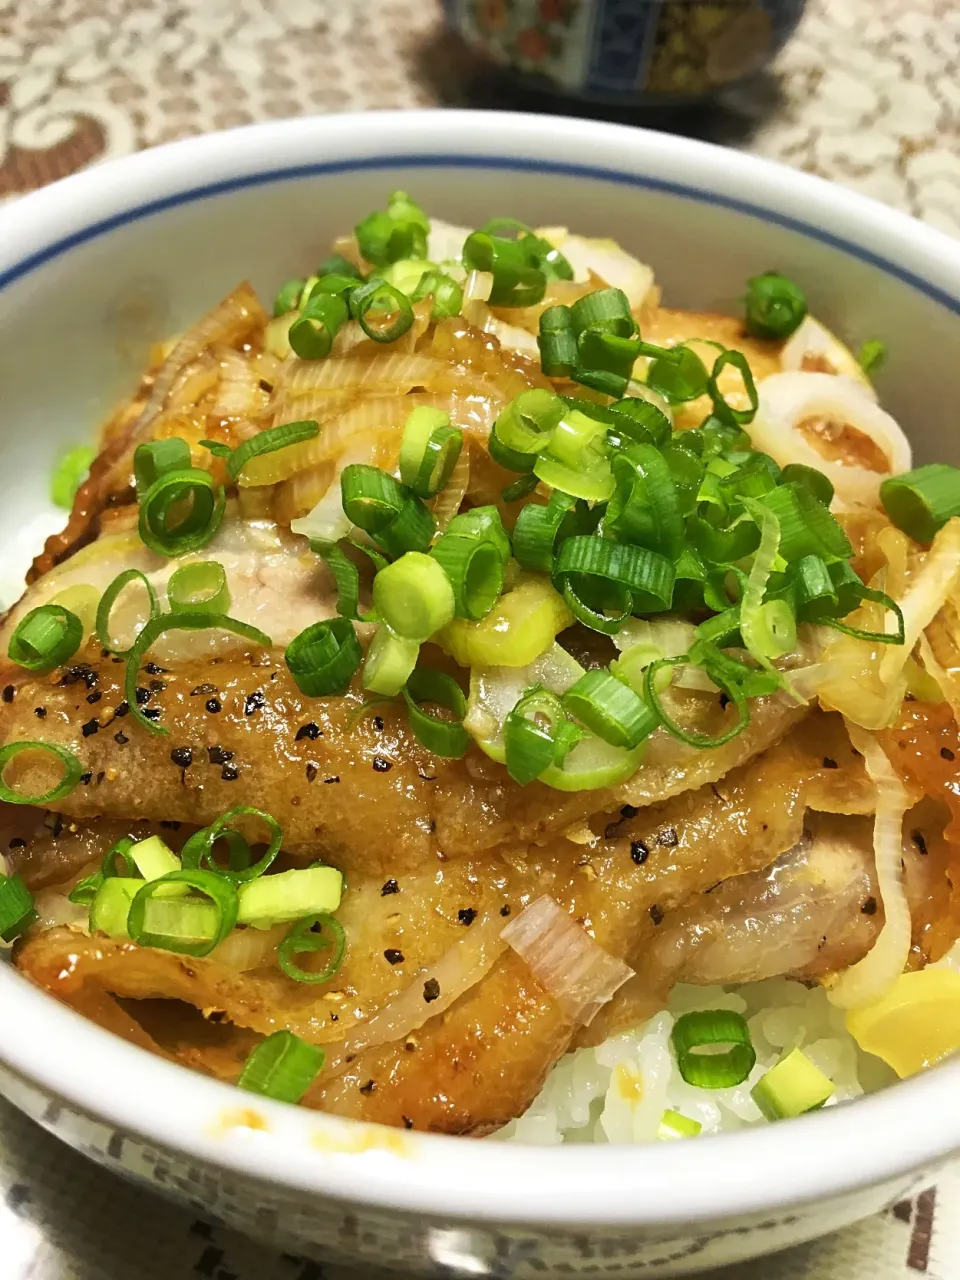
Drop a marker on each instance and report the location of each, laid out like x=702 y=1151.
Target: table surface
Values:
x=867 y=93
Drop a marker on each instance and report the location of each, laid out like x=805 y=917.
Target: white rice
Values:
x=619 y=1090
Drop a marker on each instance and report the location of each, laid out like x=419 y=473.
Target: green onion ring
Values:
x=445 y=738
x=198 y=851
x=301 y=938
x=72 y=772
x=219 y=890
x=270 y=441
x=45 y=638
x=108 y=600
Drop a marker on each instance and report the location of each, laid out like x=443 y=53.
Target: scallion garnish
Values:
x=518 y=280
x=200 y=586
x=795 y=1085
x=610 y=709
x=45 y=638
x=198 y=852
x=475 y=569
x=187 y=925
x=681 y=378
x=181 y=511
x=604 y=581
x=283 y=1068
x=287 y=297
x=443 y=737
x=401 y=232
x=71 y=766
x=920 y=502
x=389 y=662
x=674 y=1125
x=109 y=599
x=872 y=356
x=312 y=333
x=414 y=596
x=269 y=441
x=324 y=657
x=289 y=895
x=536 y=735
x=775 y=307
x=155 y=458
x=446 y=293
x=320 y=932
x=68 y=475
x=696 y=1035
x=382 y=312
x=429 y=451
x=390 y=512
x=16 y=907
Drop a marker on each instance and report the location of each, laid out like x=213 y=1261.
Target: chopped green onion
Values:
x=392 y=515
x=920 y=502
x=705 y=1030
x=806 y=526
x=287 y=297
x=336 y=264
x=632 y=576
x=517 y=280
x=68 y=475
x=109 y=599
x=814 y=593
x=447 y=294
x=16 y=907
x=812 y=479
x=557 y=342
x=872 y=356
x=202 y=585
x=152 y=858
x=389 y=662
x=347 y=577
x=604 y=310
x=519 y=489
x=679 y=378
x=110 y=908
x=270 y=441
x=118 y=860
x=877 y=637
x=181 y=512
x=447 y=738
x=540 y=251
x=722 y=411
x=485 y=523
x=72 y=771
x=775 y=307
x=536 y=531
x=289 y=895
x=198 y=850
x=414 y=596
x=674 y=1125
x=186 y=926
x=795 y=1085
x=528 y=422
x=610 y=709
x=475 y=569
x=304 y=938
x=401 y=232
x=155 y=458
x=645 y=507
x=45 y=638
x=217 y=448
x=606 y=352
x=536 y=735
x=337 y=282
x=157 y=627
x=382 y=312
x=718 y=674
x=86 y=889
x=762 y=626
x=283 y=1068
x=312 y=333
x=642 y=421
x=428 y=451
x=324 y=657
x=608 y=384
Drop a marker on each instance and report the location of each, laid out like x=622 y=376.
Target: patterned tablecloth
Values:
x=867 y=93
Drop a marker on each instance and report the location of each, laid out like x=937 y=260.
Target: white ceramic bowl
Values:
x=93 y=268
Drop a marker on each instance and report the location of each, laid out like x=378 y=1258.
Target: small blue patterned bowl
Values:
x=650 y=52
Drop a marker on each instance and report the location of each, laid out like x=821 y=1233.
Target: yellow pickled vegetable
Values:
x=521 y=626
x=915 y=1025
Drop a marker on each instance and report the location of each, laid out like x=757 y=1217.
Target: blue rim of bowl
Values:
x=452 y=160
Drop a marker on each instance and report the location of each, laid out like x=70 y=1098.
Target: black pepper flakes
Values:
x=309 y=730
x=9 y=693
x=182 y=757
x=151 y=713
x=123 y=709
x=380 y=765
x=629 y=811
x=41 y=714
x=378 y=723
x=120 y=738
x=94 y=697
x=170 y=823
x=91 y=727
x=367 y=1088
x=143 y=696
x=157 y=686
x=724 y=701
x=254 y=701
x=212 y=705
x=431 y=990
x=229 y=773
x=202 y=690
x=17 y=843
x=466 y=915
x=217 y=755
x=393 y=956
x=829 y=763
x=668 y=838
x=407 y=1122
x=639 y=852
x=504 y=911
x=918 y=839
x=100 y=777
x=869 y=908
x=426 y=777
x=335 y=778
x=946 y=754
x=389 y=887
x=656 y=914
x=311 y=772
x=86 y=778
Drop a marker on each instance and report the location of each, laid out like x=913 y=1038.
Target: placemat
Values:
x=867 y=93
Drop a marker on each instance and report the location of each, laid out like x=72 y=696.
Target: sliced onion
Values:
x=604 y=258
x=247 y=949
x=871 y=978
x=383 y=373
x=945 y=681
x=239 y=394
x=237 y=315
x=925 y=597
x=445 y=242
x=447 y=502
x=573 y=968
x=812 y=348
x=328 y=522
x=788 y=400
x=55 y=909
x=459 y=969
